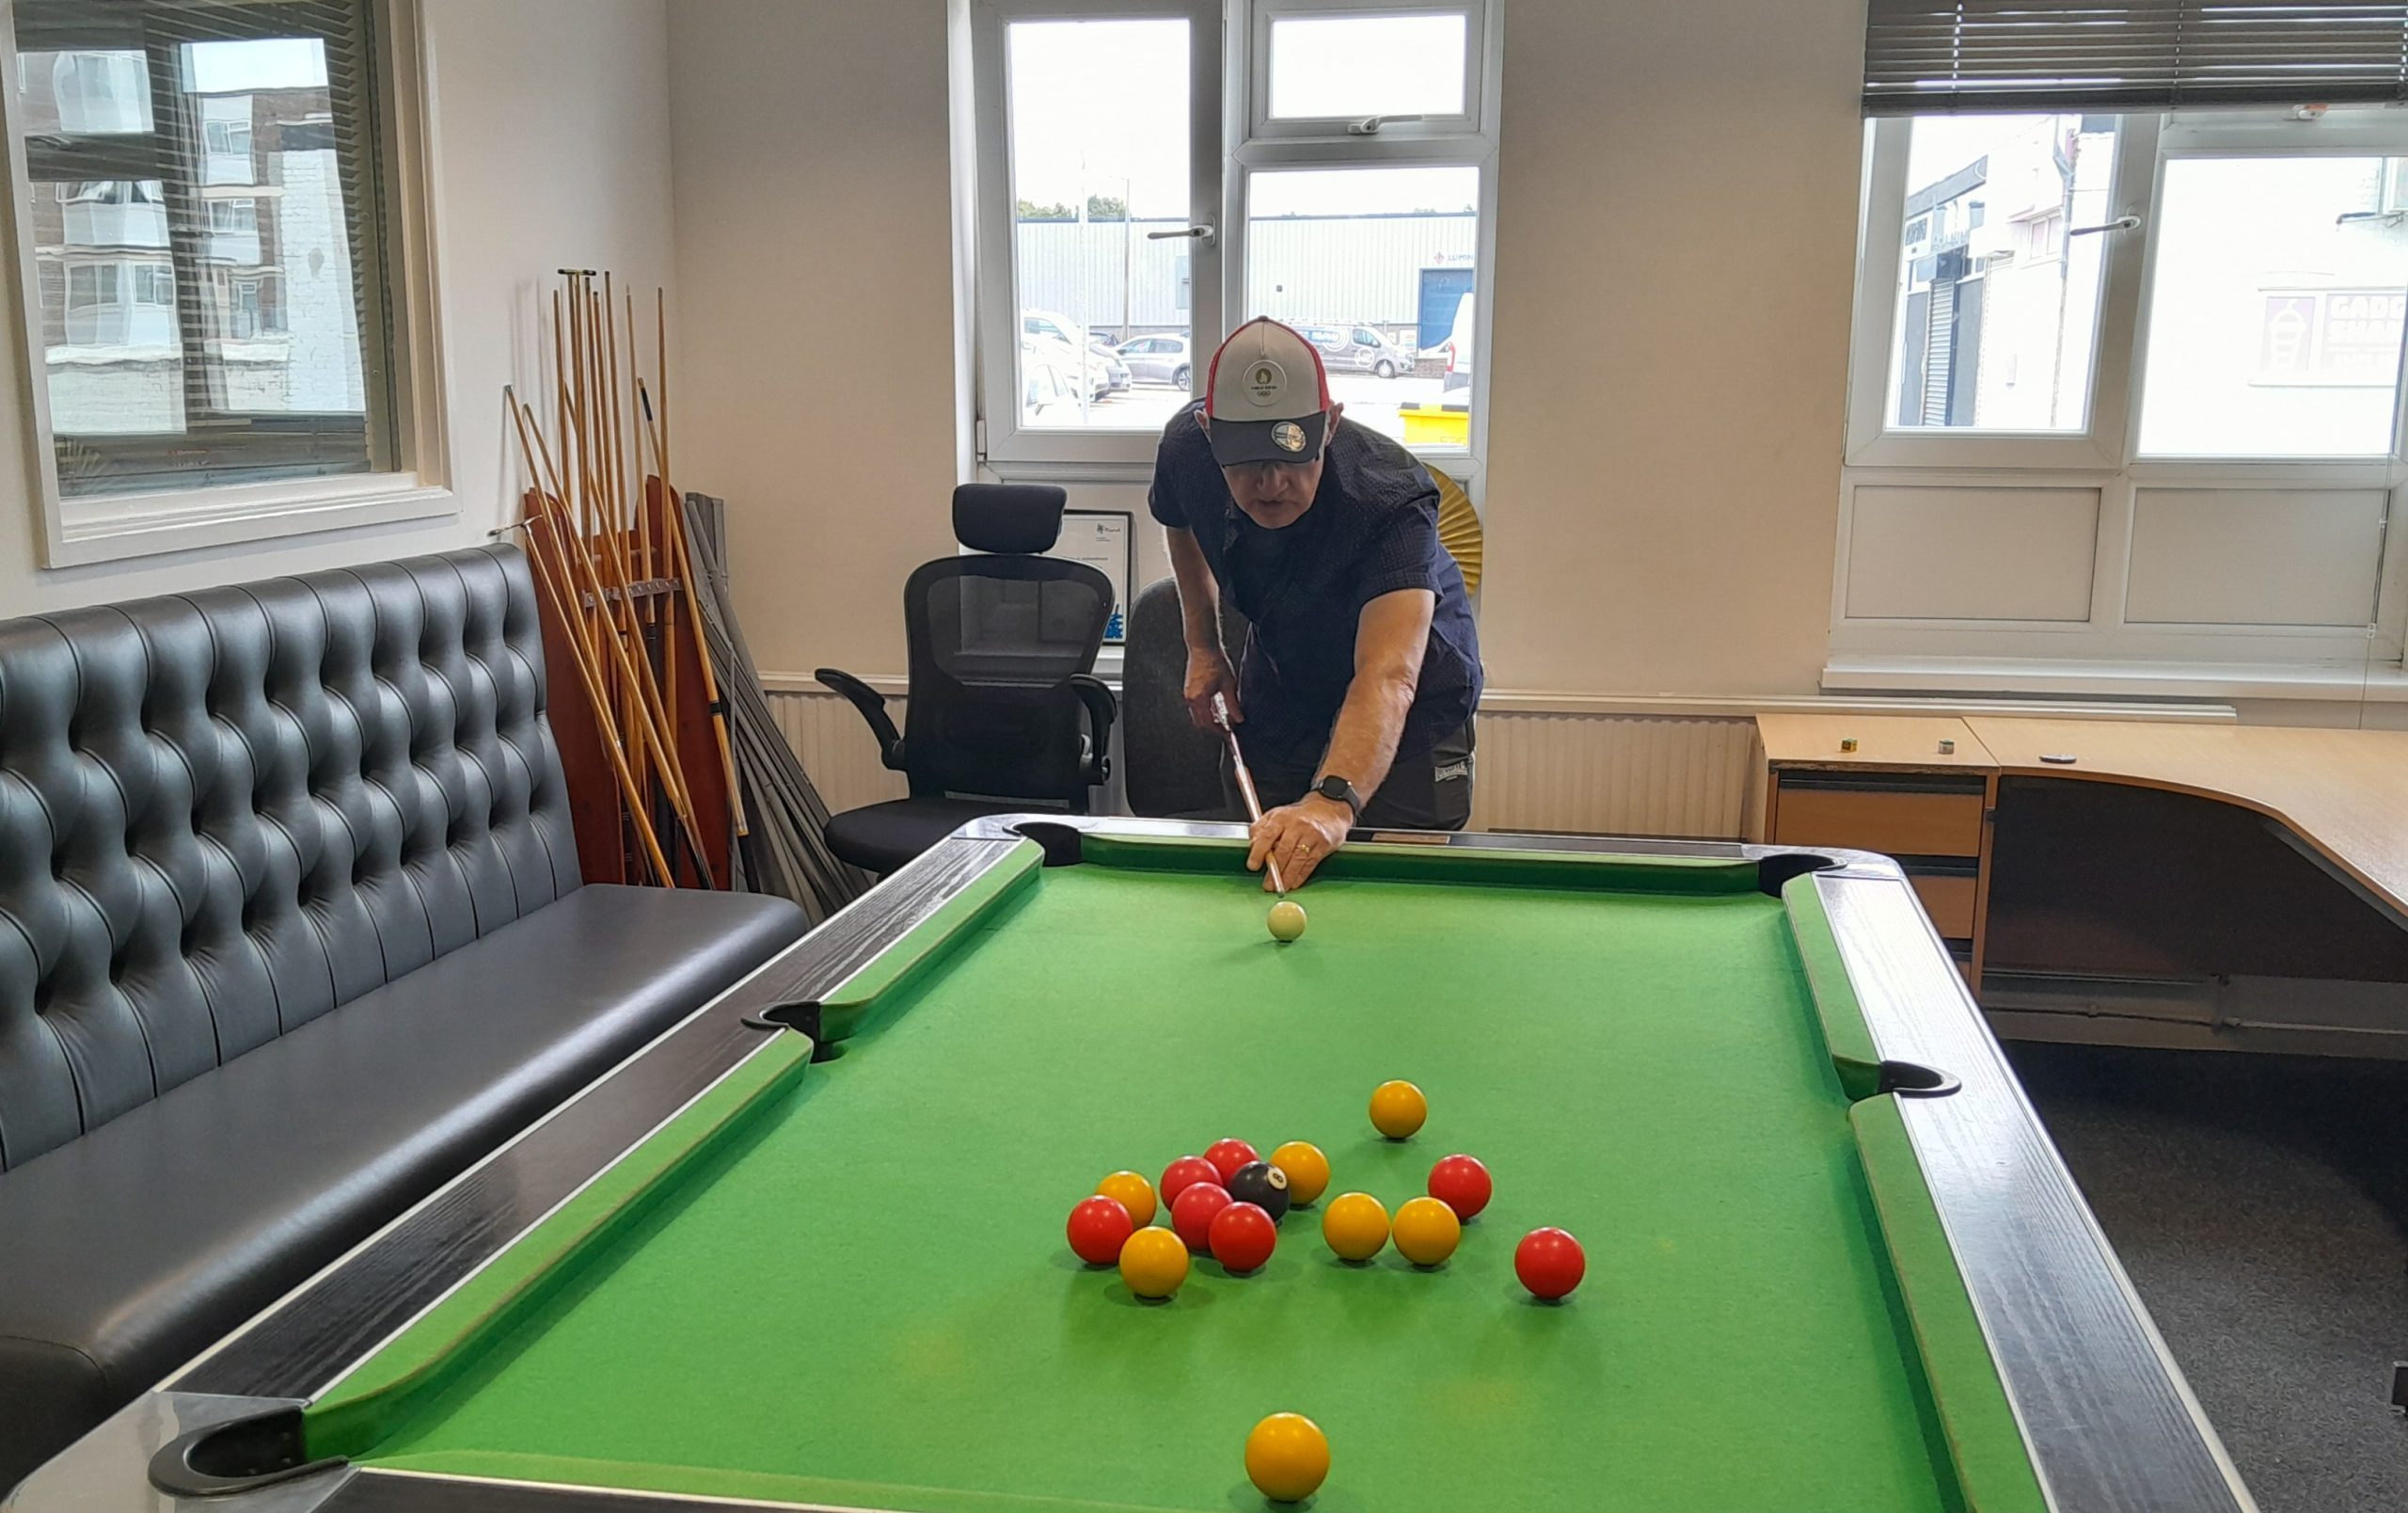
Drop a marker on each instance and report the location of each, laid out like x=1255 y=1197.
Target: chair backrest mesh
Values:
x=994 y=641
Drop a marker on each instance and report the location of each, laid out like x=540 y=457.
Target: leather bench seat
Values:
x=132 y=1248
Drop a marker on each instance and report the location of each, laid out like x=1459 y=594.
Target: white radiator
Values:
x=1626 y=774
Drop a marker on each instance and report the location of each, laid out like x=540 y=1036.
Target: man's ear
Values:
x=1203 y=423
x=1335 y=411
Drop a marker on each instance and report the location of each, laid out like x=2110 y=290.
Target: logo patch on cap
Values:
x=1287 y=435
x=1265 y=381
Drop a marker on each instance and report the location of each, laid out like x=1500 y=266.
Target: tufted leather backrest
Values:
x=225 y=813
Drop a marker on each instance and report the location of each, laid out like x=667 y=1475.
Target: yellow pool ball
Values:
x=1307 y=1171
x=1427 y=1232
x=1397 y=1110
x=1286 y=1457
x=1355 y=1225
x=1135 y=1193
x=1287 y=920
x=1153 y=1262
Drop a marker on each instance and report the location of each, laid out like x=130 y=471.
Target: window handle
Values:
x=2121 y=223
x=1369 y=125
x=1203 y=232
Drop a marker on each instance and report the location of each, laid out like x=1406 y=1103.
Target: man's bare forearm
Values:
x=1199 y=594
x=1389 y=643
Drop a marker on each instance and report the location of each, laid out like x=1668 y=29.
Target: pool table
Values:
x=807 y=1248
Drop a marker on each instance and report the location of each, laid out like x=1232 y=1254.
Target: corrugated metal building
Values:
x=1361 y=268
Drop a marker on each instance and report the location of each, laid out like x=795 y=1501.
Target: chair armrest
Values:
x=872 y=706
x=1102 y=709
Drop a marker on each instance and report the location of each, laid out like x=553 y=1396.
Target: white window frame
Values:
x=2104 y=651
x=1006 y=446
x=1229 y=140
x=417 y=484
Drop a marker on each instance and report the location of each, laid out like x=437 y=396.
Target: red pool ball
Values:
x=1192 y=1215
x=1244 y=1237
x=1550 y=1263
x=1461 y=1184
x=1227 y=1156
x=1182 y=1174
x=1098 y=1227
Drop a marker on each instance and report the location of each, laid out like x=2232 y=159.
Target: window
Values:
x=184 y=429
x=2127 y=394
x=1352 y=200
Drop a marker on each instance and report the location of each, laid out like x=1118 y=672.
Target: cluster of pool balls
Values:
x=1228 y=1202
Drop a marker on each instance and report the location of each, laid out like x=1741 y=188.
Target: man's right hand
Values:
x=1208 y=673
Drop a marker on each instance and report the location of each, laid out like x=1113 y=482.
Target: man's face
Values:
x=1275 y=495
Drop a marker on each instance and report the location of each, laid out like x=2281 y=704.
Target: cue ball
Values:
x=1262 y=1185
x=1286 y=1457
x=1192 y=1215
x=1287 y=920
x=1427 y=1232
x=1397 y=1110
x=1184 y=1174
x=1307 y=1171
x=1243 y=1237
x=1461 y=1184
x=1228 y=1155
x=1153 y=1262
x=1098 y=1227
x=1550 y=1263
x=1135 y=1194
x=1356 y=1226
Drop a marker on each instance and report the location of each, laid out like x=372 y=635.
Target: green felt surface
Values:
x=862 y=1297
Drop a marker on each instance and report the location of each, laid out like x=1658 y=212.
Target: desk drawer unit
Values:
x=1898 y=815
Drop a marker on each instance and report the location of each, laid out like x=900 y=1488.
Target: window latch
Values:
x=1369 y=125
x=2121 y=223
x=1202 y=232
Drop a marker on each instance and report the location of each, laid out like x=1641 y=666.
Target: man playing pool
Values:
x=1362 y=669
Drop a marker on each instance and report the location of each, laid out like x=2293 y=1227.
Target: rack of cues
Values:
x=640 y=721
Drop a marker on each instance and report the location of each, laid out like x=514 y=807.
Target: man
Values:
x=1362 y=669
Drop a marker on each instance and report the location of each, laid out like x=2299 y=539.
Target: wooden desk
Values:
x=2344 y=792
x=2174 y=884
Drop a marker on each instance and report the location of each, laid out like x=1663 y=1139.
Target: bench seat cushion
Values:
x=127 y=1251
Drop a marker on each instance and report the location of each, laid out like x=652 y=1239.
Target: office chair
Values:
x=1172 y=770
x=1004 y=711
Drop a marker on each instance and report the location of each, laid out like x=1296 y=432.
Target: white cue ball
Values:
x=1287 y=920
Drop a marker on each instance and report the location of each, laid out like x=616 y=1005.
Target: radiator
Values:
x=1604 y=774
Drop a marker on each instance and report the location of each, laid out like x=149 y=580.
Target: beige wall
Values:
x=1677 y=209
x=1676 y=249
x=551 y=130
x=815 y=254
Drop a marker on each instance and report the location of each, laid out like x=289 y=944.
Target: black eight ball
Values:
x=1262 y=1185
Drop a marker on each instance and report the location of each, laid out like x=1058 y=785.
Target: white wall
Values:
x=1677 y=232
x=551 y=132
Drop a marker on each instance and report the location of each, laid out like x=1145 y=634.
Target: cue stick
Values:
x=1246 y=786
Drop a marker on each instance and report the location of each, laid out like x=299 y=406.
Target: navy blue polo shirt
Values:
x=1372 y=530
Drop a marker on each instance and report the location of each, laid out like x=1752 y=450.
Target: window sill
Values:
x=113 y=528
x=2195 y=682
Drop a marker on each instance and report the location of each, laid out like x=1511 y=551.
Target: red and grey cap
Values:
x=1268 y=397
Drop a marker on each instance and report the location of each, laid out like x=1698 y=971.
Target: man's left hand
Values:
x=1299 y=836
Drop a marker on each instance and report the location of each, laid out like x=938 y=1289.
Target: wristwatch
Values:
x=1335 y=786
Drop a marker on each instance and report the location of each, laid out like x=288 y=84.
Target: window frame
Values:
x=411 y=481
x=1226 y=146
x=2217 y=657
x=1262 y=126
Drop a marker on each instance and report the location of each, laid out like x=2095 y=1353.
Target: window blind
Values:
x=1940 y=55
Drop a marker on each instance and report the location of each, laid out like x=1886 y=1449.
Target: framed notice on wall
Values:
x=1105 y=540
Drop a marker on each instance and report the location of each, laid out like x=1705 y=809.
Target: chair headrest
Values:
x=1018 y=517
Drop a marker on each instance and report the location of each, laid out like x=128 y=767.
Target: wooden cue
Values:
x=637 y=673
x=674 y=518
x=581 y=654
x=1246 y=786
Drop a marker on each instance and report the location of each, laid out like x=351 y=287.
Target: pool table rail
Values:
x=2105 y=1417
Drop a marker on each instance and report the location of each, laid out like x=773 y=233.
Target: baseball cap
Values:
x=1268 y=398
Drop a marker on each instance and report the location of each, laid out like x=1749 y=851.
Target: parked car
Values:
x=1050 y=382
x=1349 y=348
x=1106 y=373
x=1159 y=359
